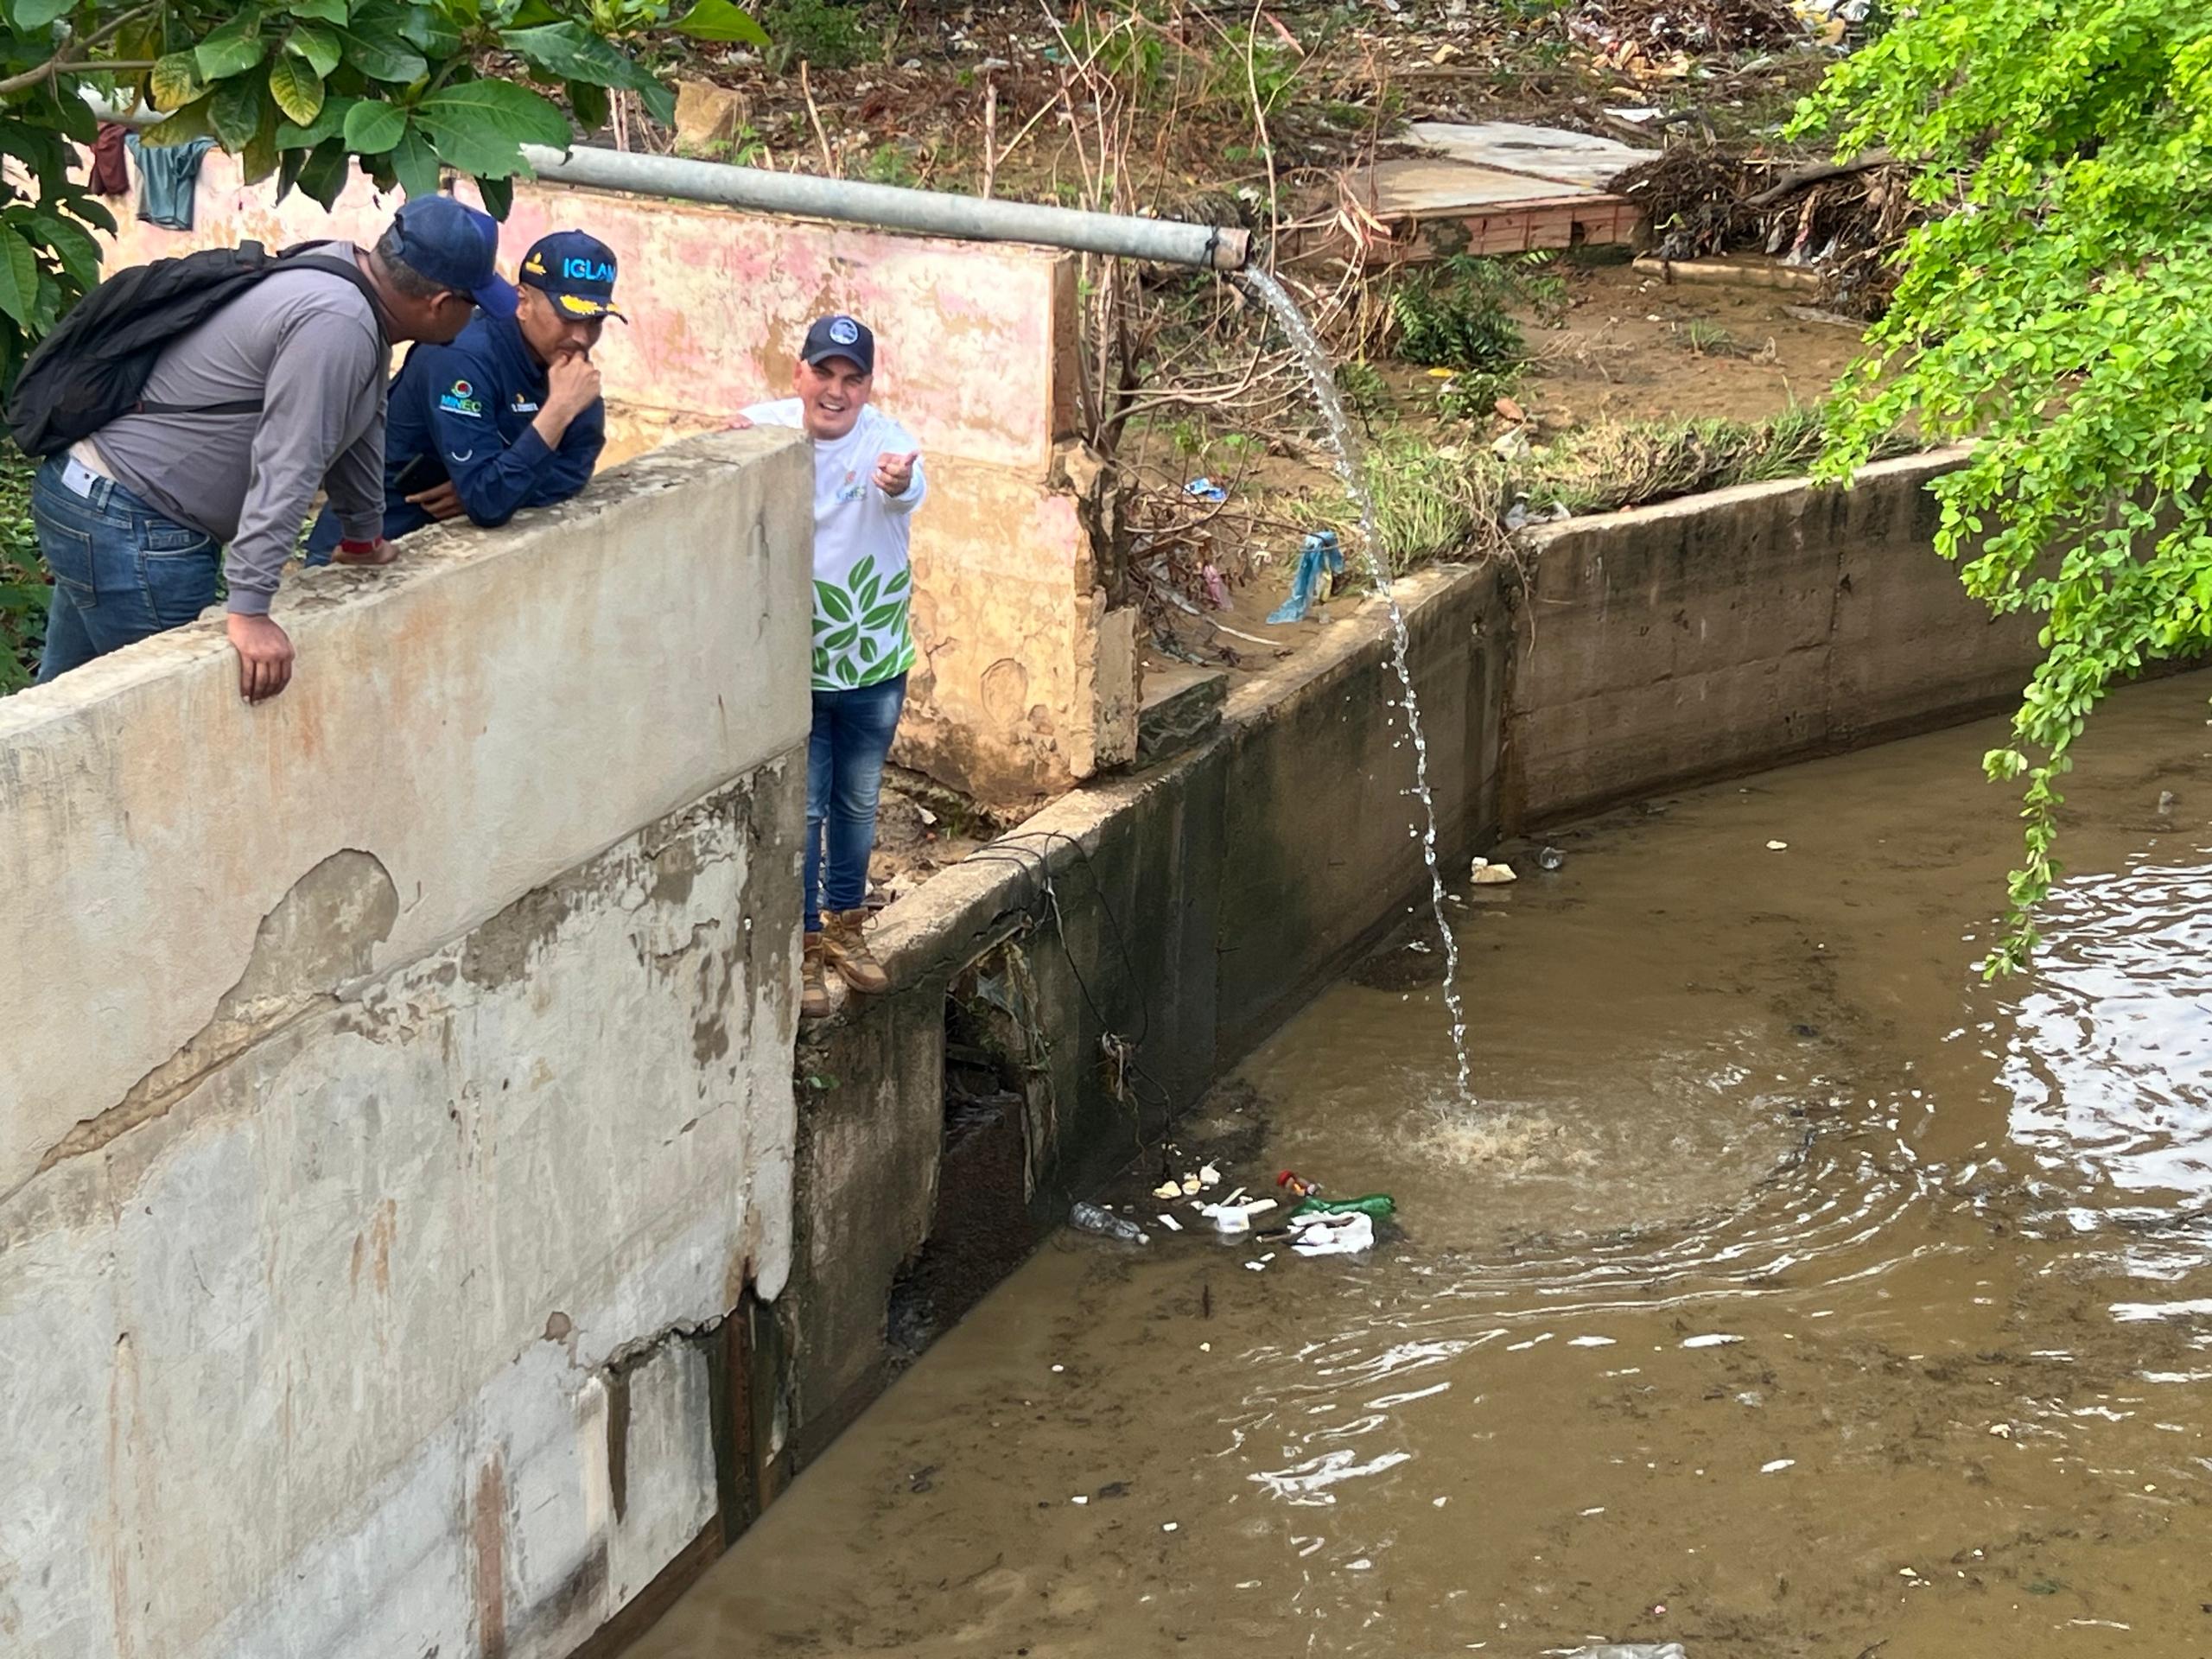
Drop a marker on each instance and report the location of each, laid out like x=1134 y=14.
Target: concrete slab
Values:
x=1553 y=153
x=1500 y=188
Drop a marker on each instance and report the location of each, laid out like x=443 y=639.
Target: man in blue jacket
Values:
x=509 y=416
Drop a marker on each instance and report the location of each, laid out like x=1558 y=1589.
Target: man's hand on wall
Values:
x=264 y=656
x=738 y=423
x=894 y=474
x=441 y=501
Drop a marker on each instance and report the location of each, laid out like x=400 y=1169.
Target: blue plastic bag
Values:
x=1320 y=561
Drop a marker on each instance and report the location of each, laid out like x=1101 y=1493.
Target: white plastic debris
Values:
x=1078 y=1500
x=1168 y=1526
x=1171 y=1223
x=1326 y=1233
x=1209 y=1176
x=1777 y=846
x=1492 y=875
x=1777 y=1465
x=1169 y=1190
x=1715 y=1340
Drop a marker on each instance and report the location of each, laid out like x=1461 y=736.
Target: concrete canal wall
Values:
x=412 y=1235
x=395 y=1097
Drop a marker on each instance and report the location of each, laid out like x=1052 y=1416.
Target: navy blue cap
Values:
x=576 y=271
x=839 y=336
x=499 y=296
x=444 y=241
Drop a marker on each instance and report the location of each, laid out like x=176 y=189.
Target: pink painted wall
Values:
x=975 y=345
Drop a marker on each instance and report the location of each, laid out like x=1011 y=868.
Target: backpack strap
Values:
x=348 y=269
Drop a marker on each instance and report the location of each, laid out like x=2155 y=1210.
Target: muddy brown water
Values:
x=1793 y=1293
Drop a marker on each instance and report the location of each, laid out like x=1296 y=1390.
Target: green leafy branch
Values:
x=301 y=91
x=2054 y=314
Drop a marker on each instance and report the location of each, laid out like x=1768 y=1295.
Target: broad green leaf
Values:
x=323 y=175
x=322 y=11
x=415 y=165
x=588 y=104
x=189 y=122
x=233 y=47
x=831 y=601
x=319 y=47
x=820 y=662
x=72 y=245
x=141 y=39
x=176 y=81
x=92 y=212
x=499 y=196
x=373 y=128
x=847 y=671
x=258 y=161
x=296 y=89
x=842 y=639
x=884 y=616
x=18 y=276
x=235 y=111
x=33 y=15
x=383 y=57
x=864 y=648
x=480 y=126
x=329 y=121
x=429 y=33
x=899 y=579
x=567 y=52
x=718 y=20
x=68 y=110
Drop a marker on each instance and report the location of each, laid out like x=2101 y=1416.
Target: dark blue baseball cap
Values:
x=445 y=241
x=576 y=271
x=839 y=336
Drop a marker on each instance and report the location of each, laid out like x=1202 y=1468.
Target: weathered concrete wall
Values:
x=1028 y=673
x=1734 y=631
x=397 y=1090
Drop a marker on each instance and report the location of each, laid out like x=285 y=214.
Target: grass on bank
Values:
x=1435 y=500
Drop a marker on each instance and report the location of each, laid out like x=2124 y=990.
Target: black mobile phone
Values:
x=425 y=472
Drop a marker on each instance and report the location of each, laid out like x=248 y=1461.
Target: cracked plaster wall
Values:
x=399 y=1074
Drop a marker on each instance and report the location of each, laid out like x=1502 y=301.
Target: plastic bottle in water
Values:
x=1090 y=1218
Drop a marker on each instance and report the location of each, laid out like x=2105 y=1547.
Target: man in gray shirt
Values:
x=131 y=518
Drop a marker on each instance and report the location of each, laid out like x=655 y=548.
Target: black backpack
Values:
x=93 y=367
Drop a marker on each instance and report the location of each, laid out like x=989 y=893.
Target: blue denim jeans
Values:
x=844 y=780
x=122 y=572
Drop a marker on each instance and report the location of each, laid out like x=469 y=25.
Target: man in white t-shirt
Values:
x=867 y=481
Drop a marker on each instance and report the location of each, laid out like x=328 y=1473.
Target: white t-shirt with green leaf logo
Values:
x=863 y=584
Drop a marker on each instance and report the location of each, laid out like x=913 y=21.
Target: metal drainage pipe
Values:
x=893 y=207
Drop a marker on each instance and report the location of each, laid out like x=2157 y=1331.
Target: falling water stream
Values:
x=1315 y=359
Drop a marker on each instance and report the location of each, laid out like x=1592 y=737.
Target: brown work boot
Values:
x=814 y=1002
x=846 y=949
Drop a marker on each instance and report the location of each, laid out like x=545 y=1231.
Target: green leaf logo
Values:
x=833 y=601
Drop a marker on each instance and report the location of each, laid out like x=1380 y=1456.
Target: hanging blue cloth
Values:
x=1320 y=562
x=169 y=174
